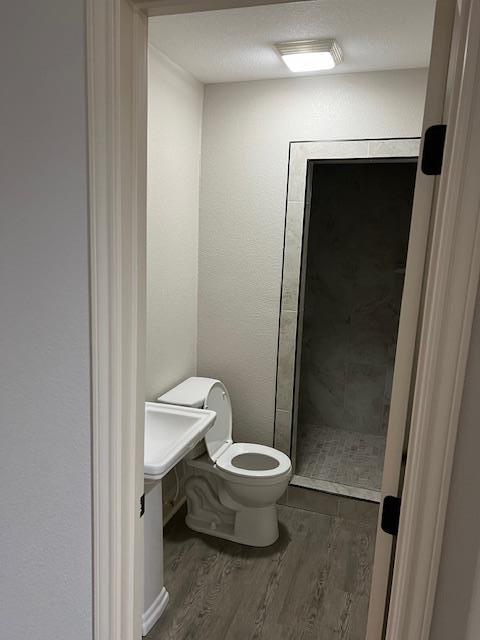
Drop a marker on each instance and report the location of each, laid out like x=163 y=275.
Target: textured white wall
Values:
x=45 y=523
x=247 y=128
x=457 y=603
x=175 y=102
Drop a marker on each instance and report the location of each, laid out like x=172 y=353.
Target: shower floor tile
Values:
x=340 y=456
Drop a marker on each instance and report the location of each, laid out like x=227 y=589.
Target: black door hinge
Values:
x=391 y=515
x=142 y=505
x=433 y=146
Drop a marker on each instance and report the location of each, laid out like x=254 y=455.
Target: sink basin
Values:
x=170 y=433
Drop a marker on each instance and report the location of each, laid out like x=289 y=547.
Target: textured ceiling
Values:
x=236 y=44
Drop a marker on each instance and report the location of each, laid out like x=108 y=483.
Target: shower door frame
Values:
x=302 y=156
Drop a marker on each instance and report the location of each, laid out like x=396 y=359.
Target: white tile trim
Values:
x=336 y=488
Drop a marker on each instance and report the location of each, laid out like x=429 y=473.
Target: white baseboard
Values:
x=154 y=611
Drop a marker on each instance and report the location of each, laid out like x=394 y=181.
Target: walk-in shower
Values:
x=346 y=243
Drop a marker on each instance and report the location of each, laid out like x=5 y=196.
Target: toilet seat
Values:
x=254 y=461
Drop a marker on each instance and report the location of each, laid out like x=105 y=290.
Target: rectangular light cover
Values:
x=310 y=55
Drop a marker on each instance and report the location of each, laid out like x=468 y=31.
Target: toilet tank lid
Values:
x=192 y=392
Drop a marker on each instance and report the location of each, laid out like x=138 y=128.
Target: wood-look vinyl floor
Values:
x=312 y=584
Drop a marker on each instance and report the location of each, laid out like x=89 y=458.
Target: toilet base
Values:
x=251 y=527
x=212 y=509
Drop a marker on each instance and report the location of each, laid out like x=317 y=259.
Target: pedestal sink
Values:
x=170 y=433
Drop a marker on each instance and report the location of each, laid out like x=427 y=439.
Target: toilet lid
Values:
x=219 y=437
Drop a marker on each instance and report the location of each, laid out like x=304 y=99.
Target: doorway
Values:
x=341 y=295
x=354 y=273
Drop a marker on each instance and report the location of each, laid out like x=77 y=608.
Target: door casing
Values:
x=423 y=213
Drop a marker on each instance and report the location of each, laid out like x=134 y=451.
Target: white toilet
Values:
x=232 y=489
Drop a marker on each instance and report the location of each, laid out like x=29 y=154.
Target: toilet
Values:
x=232 y=488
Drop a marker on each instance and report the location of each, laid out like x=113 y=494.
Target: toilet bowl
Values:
x=232 y=489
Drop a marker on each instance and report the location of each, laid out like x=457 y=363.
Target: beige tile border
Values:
x=291 y=311
x=329 y=504
x=336 y=488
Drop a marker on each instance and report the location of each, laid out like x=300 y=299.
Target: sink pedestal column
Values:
x=155 y=594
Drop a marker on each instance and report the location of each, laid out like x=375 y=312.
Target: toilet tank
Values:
x=192 y=392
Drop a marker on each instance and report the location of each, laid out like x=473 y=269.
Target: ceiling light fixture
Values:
x=310 y=55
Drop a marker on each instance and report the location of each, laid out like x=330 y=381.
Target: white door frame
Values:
x=116 y=69
x=410 y=314
x=116 y=85
x=450 y=295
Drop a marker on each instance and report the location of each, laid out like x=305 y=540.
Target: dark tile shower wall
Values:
x=357 y=246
